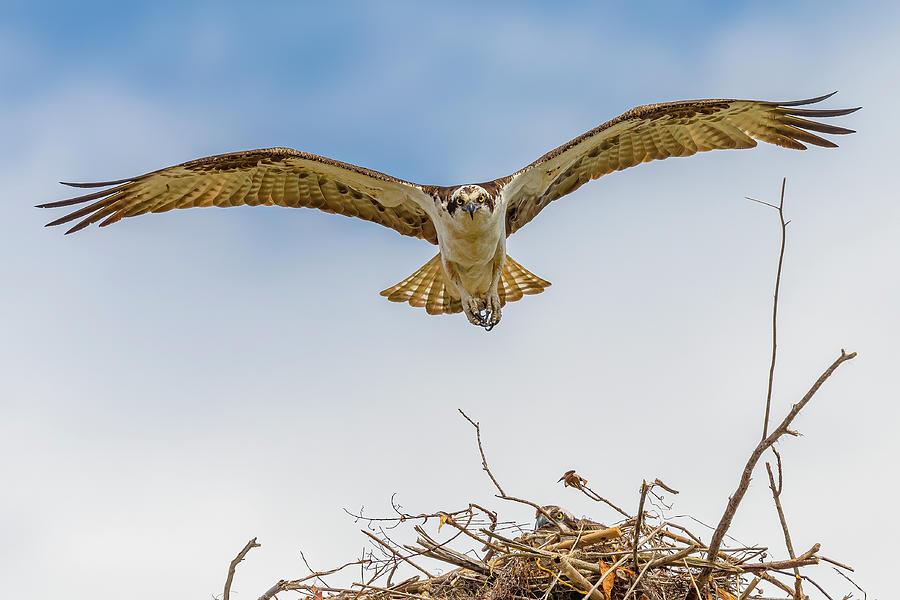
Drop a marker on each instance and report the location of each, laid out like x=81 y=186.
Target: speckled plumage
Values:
x=472 y=272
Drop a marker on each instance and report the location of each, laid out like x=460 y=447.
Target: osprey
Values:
x=566 y=520
x=472 y=272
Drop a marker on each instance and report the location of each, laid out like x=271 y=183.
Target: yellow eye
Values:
x=481 y=198
x=559 y=516
x=459 y=201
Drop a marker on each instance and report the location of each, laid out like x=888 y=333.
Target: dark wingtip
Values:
x=94 y=184
x=806 y=101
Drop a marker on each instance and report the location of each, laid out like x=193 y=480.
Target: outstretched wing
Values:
x=271 y=176
x=658 y=131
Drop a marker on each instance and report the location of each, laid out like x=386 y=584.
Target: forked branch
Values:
x=768 y=439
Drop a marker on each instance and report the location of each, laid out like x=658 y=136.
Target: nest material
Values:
x=599 y=564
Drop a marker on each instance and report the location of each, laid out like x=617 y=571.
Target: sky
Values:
x=177 y=384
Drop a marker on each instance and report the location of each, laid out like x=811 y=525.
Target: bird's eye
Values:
x=481 y=198
x=559 y=516
x=459 y=201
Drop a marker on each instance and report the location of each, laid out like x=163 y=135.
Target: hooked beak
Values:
x=470 y=208
x=541 y=521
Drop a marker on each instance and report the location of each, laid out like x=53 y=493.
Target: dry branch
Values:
x=233 y=565
x=767 y=440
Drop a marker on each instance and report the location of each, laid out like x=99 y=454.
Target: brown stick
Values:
x=577 y=578
x=776 y=496
x=749 y=589
x=296 y=584
x=234 y=563
x=487 y=470
x=637 y=524
x=590 y=537
x=784 y=224
x=673 y=558
x=807 y=558
x=397 y=554
x=766 y=577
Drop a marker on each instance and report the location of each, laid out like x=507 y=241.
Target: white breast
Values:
x=472 y=246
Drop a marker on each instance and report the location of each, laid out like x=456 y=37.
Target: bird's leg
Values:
x=492 y=300
x=472 y=307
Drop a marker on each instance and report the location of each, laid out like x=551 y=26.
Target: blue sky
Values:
x=178 y=383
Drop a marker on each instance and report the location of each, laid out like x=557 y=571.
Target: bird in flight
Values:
x=472 y=272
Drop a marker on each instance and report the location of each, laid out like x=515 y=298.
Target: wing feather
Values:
x=272 y=176
x=658 y=131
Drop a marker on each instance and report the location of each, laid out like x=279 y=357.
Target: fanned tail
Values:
x=426 y=288
x=517 y=281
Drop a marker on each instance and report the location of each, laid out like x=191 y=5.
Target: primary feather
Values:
x=470 y=223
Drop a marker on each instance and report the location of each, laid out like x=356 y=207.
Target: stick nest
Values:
x=484 y=558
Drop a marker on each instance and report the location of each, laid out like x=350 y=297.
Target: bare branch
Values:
x=484 y=464
x=776 y=496
x=572 y=479
x=234 y=563
x=735 y=499
x=775 y=309
x=637 y=525
x=397 y=554
x=768 y=439
x=502 y=495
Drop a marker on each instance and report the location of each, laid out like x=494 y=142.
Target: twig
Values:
x=776 y=496
x=637 y=524
x=807 y=558
x=503 y=496
x=296 y=584
x=464 y=529
x=270 y=593
x=577 y=578
x=672 y=558
x=784 y=223
x=834 y=562
x=234 y=563
x=397 y=554
x=853 y=582
x=766 y=577
x=484 y=464
x=812 y=581
x=659 y=482
x=749 y=589
x=572 y=479
x=388 y=590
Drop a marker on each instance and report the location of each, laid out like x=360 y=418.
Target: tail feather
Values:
x=426 y=288
x=516 y=281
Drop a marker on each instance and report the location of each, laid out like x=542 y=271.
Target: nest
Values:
x=639 y=558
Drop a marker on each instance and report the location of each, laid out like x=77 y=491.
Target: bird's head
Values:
x=468 y=200
x=561 y=516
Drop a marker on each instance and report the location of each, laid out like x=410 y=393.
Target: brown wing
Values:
x=658 y=131
x=587 y=525
x=272 y=176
